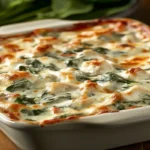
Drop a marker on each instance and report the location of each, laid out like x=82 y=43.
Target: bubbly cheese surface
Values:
x=51 y=75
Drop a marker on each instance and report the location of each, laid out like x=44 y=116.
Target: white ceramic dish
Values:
x=95 y=132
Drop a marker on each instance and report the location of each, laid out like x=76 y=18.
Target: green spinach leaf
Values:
x=35 y=66
x=53 y=56
x=52 y=67
x=66 y=8
x=22 y=84
x=80 y=76
x=48 y=98
x=25 y=100
x=114 y=77
x=101 y=50
x=72 y=63
x=34 y=112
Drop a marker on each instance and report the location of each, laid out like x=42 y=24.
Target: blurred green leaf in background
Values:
x=13 y=11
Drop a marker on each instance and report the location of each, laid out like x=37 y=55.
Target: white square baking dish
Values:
x=97 y=132
x=94 y=132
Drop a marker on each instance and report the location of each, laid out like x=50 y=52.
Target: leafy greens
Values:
x=24 y=10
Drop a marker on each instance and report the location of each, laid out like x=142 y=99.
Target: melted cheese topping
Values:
x=51 y=75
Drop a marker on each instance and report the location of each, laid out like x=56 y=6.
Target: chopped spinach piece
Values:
x=80 y=49
x=82 y=76
x=147 y=69
x=118 y=53
x=34 y=63
x=44 y=94
x=119 y=106
x=23 y=57
x=119 y=69
x=30 y=69
x=34 y=66
x=46 y=97
x=37 y=112
x=68 y=115
x=25 y=100
x=34 y=112
x=146 y=97
x=146 y=102
x=125 y=87
x=29 y=119
x=114 y=36
x=72 y=63
x=130 y=104
x=68 y=52
x=91 y=94
x=86 y=59
x=75 y=62
x=22 y=84
x=53 y=56
x=23 y=68
x=87 y=45
x=114 y=77
x=52 y=67
x=62 y=97
x=101 y=50
x=63 y=116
